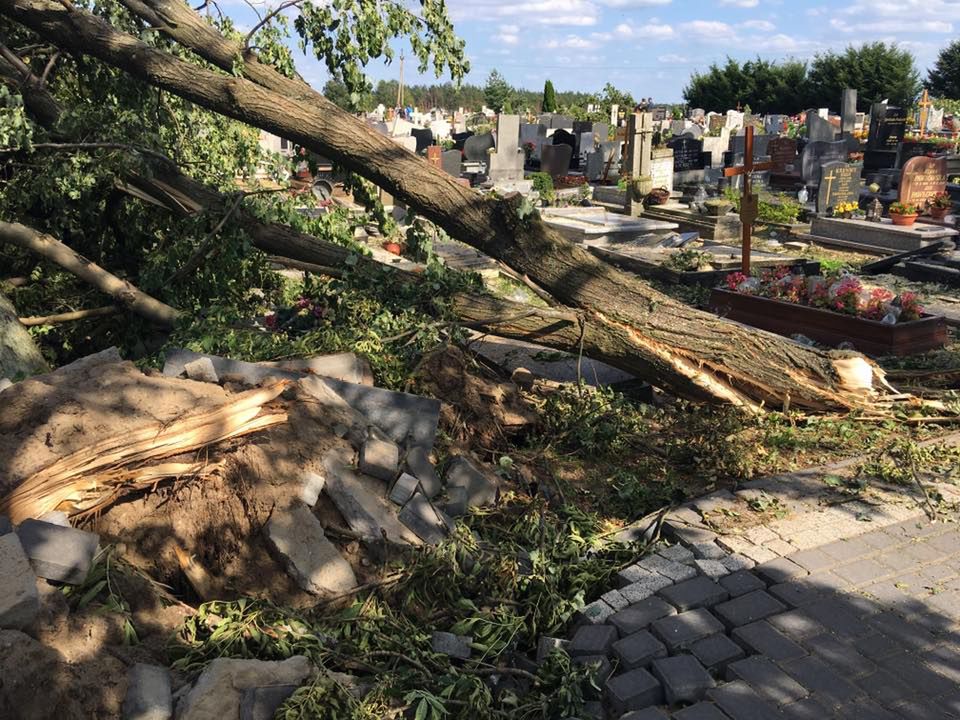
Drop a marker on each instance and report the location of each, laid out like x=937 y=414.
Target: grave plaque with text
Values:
x=887 y=126
x=687 y=154
x=921 y=179
x=783 y=152
x=839 y=183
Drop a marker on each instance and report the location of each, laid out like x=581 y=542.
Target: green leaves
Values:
x=16 y=130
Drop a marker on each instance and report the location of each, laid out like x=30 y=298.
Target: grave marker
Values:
x=921 y=179
x=555 y=159
x=819 y=129
x=749 y=203
x=839 y=183
x=687 y=154
x=817 y=153
x=887 y=126
x=848 y=111
x=782 y=152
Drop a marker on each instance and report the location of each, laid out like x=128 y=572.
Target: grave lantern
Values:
x=875 y=211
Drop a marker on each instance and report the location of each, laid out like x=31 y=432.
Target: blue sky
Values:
x=650 y=47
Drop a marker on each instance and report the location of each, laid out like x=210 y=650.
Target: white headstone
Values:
x=734 y=120
x=824 y=113
x=934 y=120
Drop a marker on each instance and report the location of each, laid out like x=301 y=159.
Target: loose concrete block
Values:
x=716 y=652
x=644 y=588
x=741 y=583
x=423 y=519
x=149 y=694
x=56 y=517
x=58 y=553
x=596 y=613
x=458 y=502
x=19 y=602
x=676 y=553
x=639 y=615
x=418 y=464
x=201 y=370
x=311 y=485
x=379 y=456
x=480 y=489
x=712 y=568
x=748 y=608
x=615 y=599
x=547 y=645
x=403 y=489
x=592 y=640
x=5 y=525
x=633 y=690
x=681 y=631
x=638 y=650
x=677 y=572
x=297 y=538
x=683 y=678
x=456 y=646
x=696 y=593
x=262 y=703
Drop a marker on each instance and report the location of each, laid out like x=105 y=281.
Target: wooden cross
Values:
x=925 y=105
x=749 y=203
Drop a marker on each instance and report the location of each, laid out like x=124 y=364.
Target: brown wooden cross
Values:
x=749 y=203
x=925 y=106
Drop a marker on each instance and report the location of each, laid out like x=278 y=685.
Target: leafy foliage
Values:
x=765 y=86
x=497 y=93
x=549 y=97
x=943 y=79
x=877 y=70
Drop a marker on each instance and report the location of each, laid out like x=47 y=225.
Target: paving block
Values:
x=840 y=616
x=681 y=631
x=149 y=693
x=712 y=568
x=19 y=600
x=481 y=490
x=735 y=563
x=596 y=613
x=677 y=572
x=640 y=615
x=695 y=593
x=809 y=708
x=311 y=485
x=418 y=464
x=779 y=571
x=862 y=572
x=813 y=560
x=645 y=588
x=797 y=625
x=296 y=536
x=592 y=640
x=748 y=608
x=683 y=679
x=379 y=456
x=424 y=520
x=799 y=592
x=615 y=599
x=600 y=664
x=740 y=702
x=363 y=503
x=5 y=525
x=716 y=652
x=762 y=638
x=403 y=489
x=262 y=703
x=201 y=370
x=740 y=583
x=821 y=680
x=638 y=650
x=708 y=551
x=633 y=690
x=840 y=654
x=700 y=711
x=634 y=573
x=63 y=554
x=676 y=553
x=455 y=646
x=547 y=645
x=764 y=676
x=457 y=502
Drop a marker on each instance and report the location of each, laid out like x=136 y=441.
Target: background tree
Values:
x=876 y=70
x=549 y=97
x=763 y=85
x=335 y=91
x=943 y=80
x=497 y=92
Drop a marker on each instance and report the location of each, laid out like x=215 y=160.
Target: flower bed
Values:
x=831 y=310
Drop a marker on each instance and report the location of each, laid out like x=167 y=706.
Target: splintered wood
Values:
x=90 y=479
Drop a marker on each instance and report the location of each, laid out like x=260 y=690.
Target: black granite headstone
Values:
x=475 y=148
x=687 y=154
x=887 y=126
x=839 y=183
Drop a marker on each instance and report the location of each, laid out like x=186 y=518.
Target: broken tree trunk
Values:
x=120 y=290
x=18 y=353
x=691 y=352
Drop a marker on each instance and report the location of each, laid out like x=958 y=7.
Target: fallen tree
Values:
x=691 y=352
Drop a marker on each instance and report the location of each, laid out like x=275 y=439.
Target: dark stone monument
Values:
x=911 y=149
x=476 y=147
x=783 y=152
x=887 y=126
x=816 y=154
x=424 y=138
x=839 y=183
x=460 y=139
x=921 y=179
x=687 y=154
x=562 y=137
x=760 y=144
x=819 y=129
x=555 y=159
x=659 y=114
x=848 y=111
x=450 y=162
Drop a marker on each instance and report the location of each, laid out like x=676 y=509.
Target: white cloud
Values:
x=581 y=13
x=633 y=3
x=707 y=28
x=758 y=25
x=741 y=3
x=893 y=26
x=508 y=35
x=570 y=41
x=672 y=58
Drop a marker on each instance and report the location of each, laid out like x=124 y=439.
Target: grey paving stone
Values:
x=837 y=615
x=645 y=588
x=877 y=645
x=847 y=550
x=632 y=574
x=918 y=675
x=796 y=624
x=862 y=572
x=808 y=708
x=19 y=600
x=681 y=631
x=741 y=583
x=866 y=709
x=945 y=660
x=920 y=709
x=799 y=592
x=676 y=553
x=710 y=551
x=481 y=490
x=457 y=503
x=633 y=690
x=645 y=714
x=149 y=695
x=711 y=568
x=690 y=535
x=296 y=537
x=908 y=634
x=62 y=554
x=884 y=687
x=740 y=702
x=716 y=652
x=311 y=485
x=423 y=519
x=828 y=582
x=640 y=615
x=418 y=464
x=596 y=613
x=404 y=488
x=683 y=678
x=638 y=650
x=748 y=608
x=379 y=456
x=764 y=639
x=700 y=711
x=546 y=645
x=921 y=552
x=840 y=654
x=615 y=599
x=677 y=572
x=821 y=680
x=767 y=679
x=813 y=560
x=779 y=570
x=455 y=646
x=735 y=563
x=592 y=640
x=695 y=593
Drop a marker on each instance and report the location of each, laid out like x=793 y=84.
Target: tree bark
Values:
x=689 y=351
x=18 y=353
x=122 y=291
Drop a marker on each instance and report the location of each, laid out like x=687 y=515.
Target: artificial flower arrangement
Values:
x=845 y=210
x=844 y=294
x=939 y=205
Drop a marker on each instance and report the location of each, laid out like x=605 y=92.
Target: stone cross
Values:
x=749 y=203
x=639 y=153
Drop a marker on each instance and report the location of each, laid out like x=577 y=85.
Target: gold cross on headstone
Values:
x=829 y=178
x=749 y=203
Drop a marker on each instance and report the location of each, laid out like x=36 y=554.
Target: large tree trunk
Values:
x=19 y=355
x=691 y=352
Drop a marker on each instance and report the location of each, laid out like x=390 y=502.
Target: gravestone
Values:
x=694 y=131
x=687 y=154
x=477 y=147
x=716 y=145
x=440 y=128
x=562 y=137
x=819 y=129
x=555 y=159
x=508 y=132
x=716 y=123
x=773 y=124
x=913 y=148
x=839 y=183
x=659 y=114
x=887 y=126
x=582 y=126
x=697 y=113
x=677 y=127
x=424 y=138
x=921 y=179
x=734 y=120
x=783 y=152
x=816 y=154
x=848 y=111
x=561 y=121
x=661 y=168
x=460 y=139
x=506 y=163
x=450 y=162
x=760 y=144
x=935 y=120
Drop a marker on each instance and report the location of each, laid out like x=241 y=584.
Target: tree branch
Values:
x=35 y=320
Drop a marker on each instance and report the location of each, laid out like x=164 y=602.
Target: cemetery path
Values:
x=835 y=607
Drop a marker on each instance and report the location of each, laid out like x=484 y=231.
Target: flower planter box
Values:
x=830 y=328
